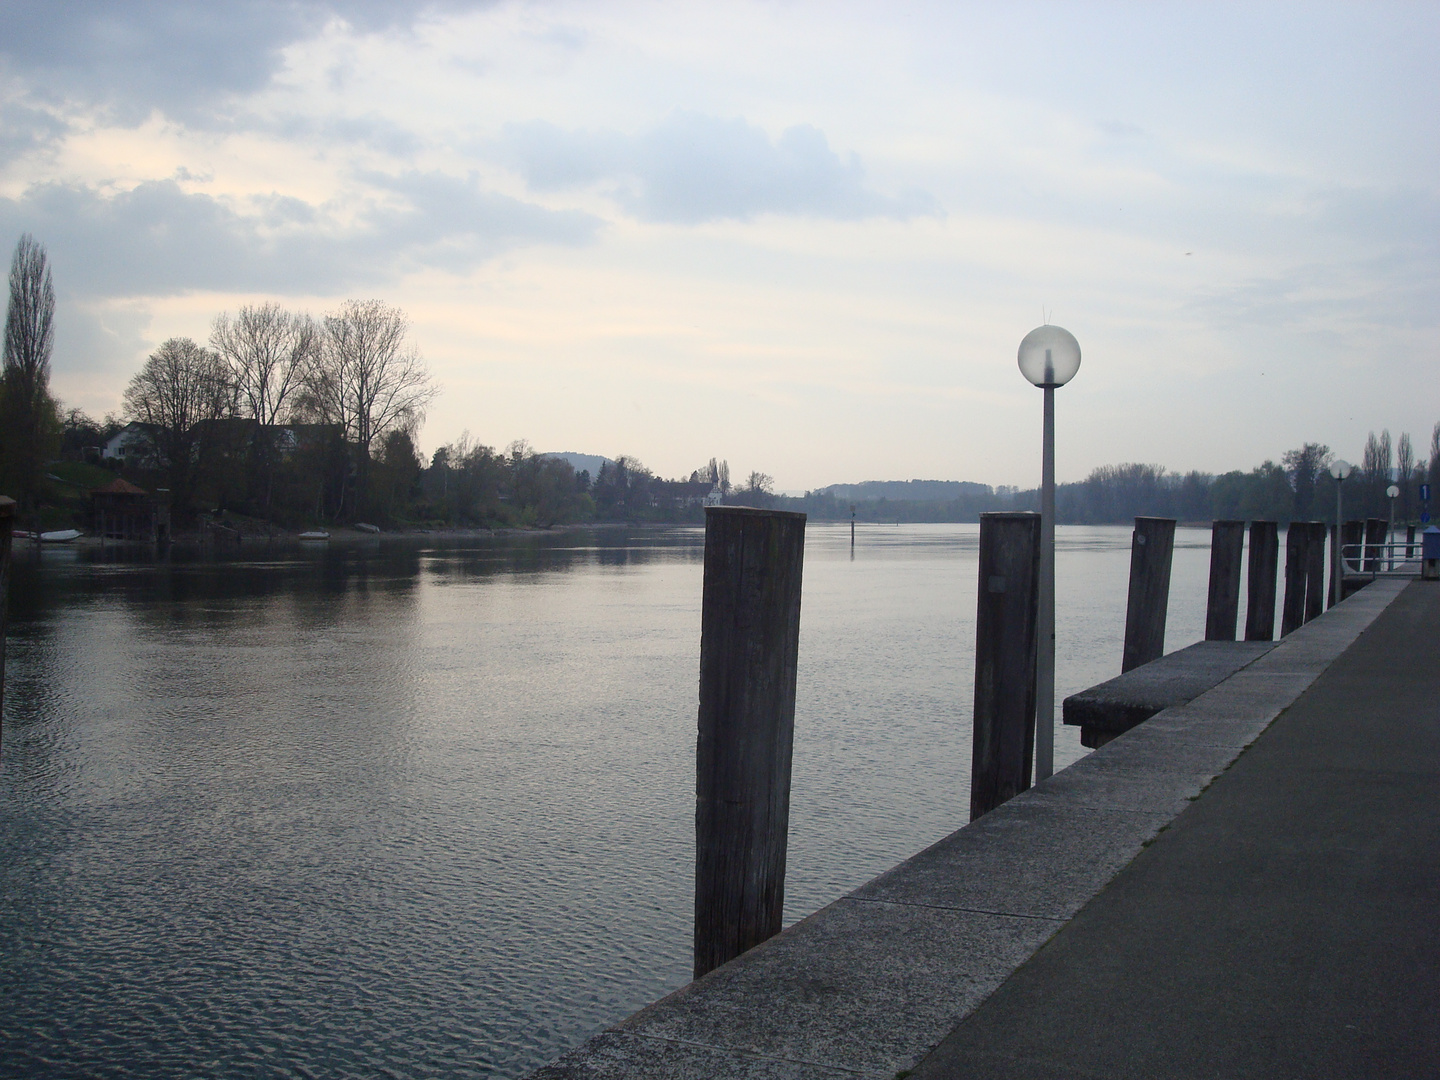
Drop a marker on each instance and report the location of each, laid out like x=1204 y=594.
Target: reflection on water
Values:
x=426 y=807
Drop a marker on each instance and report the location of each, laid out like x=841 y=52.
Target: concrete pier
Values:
x=1144 y=912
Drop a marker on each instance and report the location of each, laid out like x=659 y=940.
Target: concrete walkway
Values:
x=1286 y=925
x=1141 y=913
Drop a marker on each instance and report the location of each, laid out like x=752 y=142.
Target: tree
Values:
x=760 y=489
x=365 y=378
x=178 y=395
x=267 y=351
x=1434 y=479
x=29 y=416
x=1304 y=467
x=1405 y=473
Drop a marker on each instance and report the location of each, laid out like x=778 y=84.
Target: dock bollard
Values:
x=1151 y=546
x=1260 y=591
x=1222 y=609
x=749 y=644
x=7 y=527
x=1315 y=571
x=1007 y=624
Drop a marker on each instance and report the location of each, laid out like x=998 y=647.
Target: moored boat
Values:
x=59 y=536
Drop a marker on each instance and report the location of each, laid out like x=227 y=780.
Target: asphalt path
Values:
x=1287 y=924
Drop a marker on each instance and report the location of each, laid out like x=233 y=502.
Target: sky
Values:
x=804 y=238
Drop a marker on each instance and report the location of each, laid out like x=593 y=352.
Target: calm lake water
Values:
x=423 y=809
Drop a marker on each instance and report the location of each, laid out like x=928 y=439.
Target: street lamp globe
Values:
x=1392 y=491
x=1049 y=356
x=1340 y=468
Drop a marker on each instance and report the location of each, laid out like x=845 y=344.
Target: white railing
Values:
x=1395 y=559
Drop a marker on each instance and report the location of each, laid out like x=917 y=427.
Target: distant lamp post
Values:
x=1339 y=469
x=1049 y=357
x=1391 y=492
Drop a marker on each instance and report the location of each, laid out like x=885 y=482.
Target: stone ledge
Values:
x=870 y=984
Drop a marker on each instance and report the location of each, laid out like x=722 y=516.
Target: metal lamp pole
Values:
x=1049 y=358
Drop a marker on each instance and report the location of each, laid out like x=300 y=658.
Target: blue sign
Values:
x=1424 y=492
x=1425 y=518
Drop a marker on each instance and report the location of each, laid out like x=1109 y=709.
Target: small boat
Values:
x=21 y=534
x=367 y=527
x=60 y=536
x=315 y=534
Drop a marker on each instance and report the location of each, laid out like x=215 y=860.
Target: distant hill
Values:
x=583 y=462
x=907 y=490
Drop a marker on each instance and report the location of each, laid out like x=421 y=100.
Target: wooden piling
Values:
x=7 y=532
x=1222 y=611
x=1315 y=571
x=1007 y=610
x=1151 y=546
x=1260 y=591
x=1374 y=537
x=1409 y=541
x=1297 y=557
x=749 y=642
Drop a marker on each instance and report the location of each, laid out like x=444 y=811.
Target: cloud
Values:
x=694 y=168
x=179 y=57
x=157 y=239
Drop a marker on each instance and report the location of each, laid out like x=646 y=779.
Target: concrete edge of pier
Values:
x=870 y=984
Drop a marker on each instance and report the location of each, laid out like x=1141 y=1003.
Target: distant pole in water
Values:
x=1007 y=625
x=7 y=529
x=749 y=644
x=852 y=527
x=1263 y=566
x=1222 y=610
x=1151 y=546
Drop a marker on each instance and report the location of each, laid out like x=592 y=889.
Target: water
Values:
x=426 y=809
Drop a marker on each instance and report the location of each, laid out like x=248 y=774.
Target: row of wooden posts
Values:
x=749 y=647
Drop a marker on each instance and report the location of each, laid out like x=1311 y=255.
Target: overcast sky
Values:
x=803 y=237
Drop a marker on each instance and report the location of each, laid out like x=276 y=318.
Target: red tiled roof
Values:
x=119 y=487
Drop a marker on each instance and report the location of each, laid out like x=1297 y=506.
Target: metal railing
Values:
x=1392 y=559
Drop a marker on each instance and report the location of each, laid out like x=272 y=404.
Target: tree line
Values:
x=298 y=421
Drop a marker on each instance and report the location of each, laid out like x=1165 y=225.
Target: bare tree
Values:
x=178 y=395
x=29 y=417
x=367 y=379
x=1434 y=476
x=1404 y=471
x=267 y=350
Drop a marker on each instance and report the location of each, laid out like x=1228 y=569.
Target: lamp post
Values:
x=1391 y=492
x=1049 y=357
x=1339 y=469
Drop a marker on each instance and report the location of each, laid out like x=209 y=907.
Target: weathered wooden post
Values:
x=7 y=531
x=1336 y=568
x=749 y=641
x=1151 y=545
x=1409 y=541
x=1007 y=608
x=1222 y=611
x=1315 y=571
x=1260 y=591
x=1297 y=557
x=1374 y=537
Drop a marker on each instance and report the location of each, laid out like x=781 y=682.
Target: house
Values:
x=133 y=444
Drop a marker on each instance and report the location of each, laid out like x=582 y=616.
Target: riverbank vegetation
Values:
x=293 y=422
